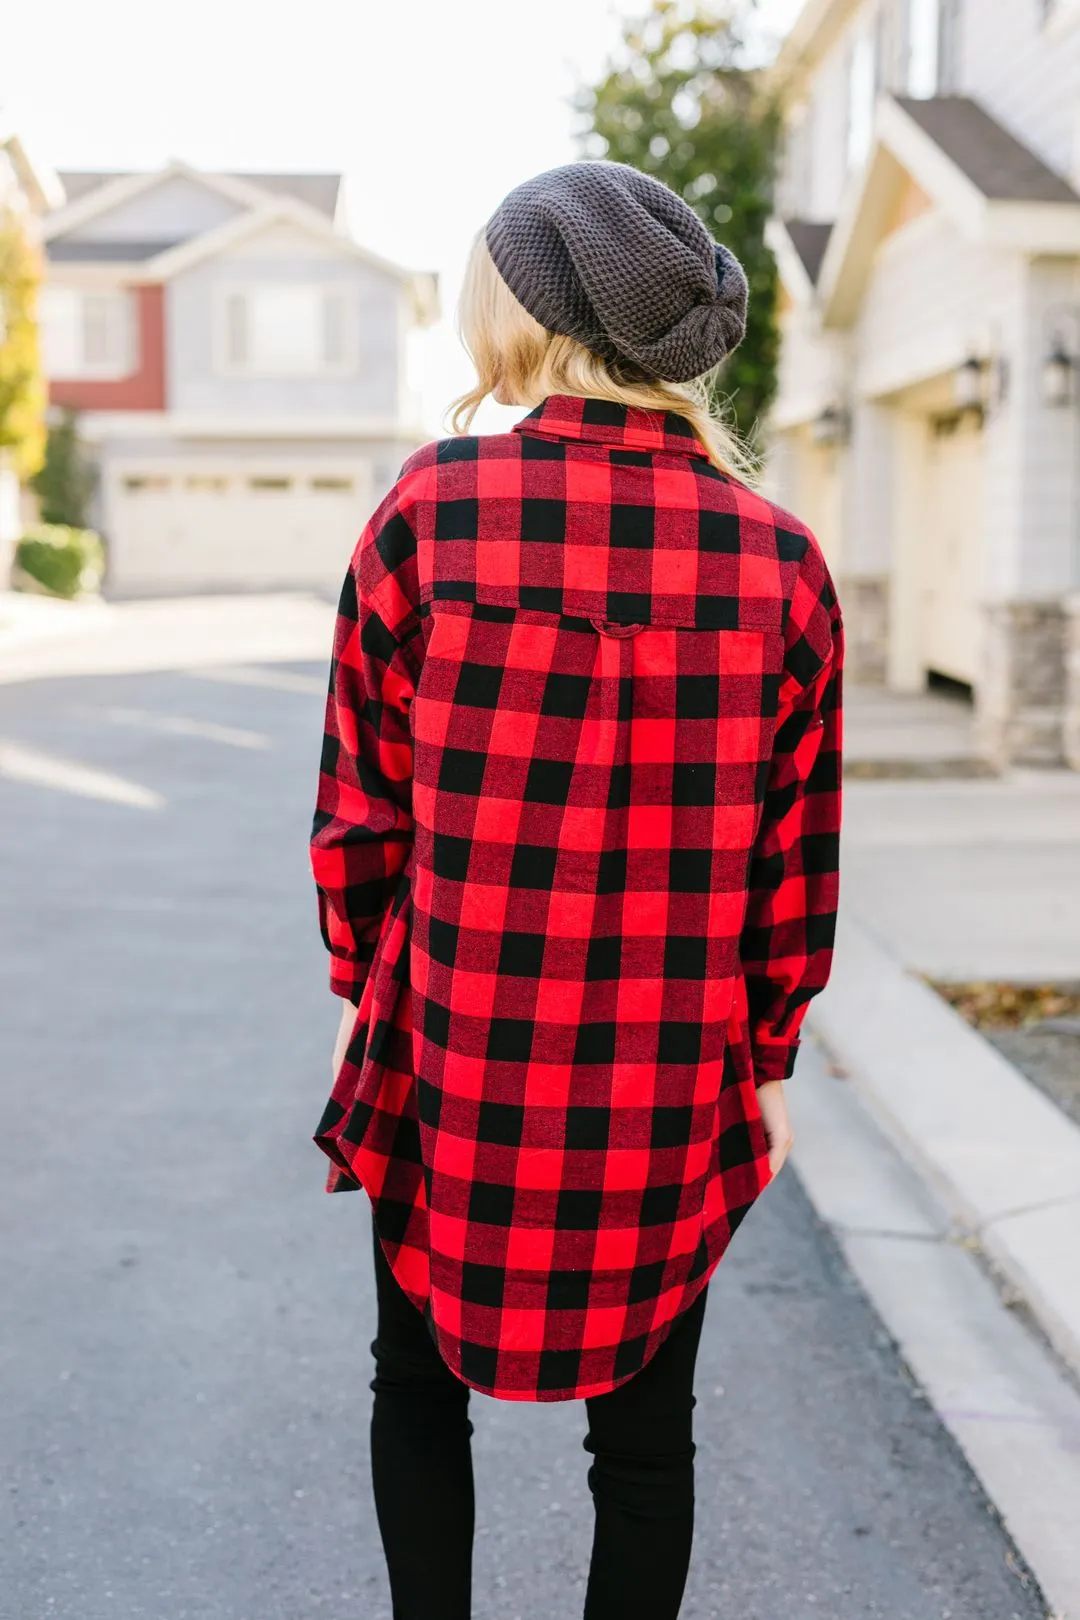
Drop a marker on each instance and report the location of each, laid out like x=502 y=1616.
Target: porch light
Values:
x=830 y=427
x=1059 y=375
x=968 y=385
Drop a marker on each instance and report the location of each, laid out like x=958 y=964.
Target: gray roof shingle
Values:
x=106 y=252
x=1002 y=168
x=809 y=238
x=319 y=191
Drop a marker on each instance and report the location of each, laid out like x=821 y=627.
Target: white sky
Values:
x=432 y=108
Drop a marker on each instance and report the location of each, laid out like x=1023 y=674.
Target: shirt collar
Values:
x=601 y=421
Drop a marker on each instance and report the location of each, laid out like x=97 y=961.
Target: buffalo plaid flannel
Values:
x=576 y=852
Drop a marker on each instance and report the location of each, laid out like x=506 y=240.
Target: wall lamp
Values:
x=969 y=388
x=1059 y=374
x=831 y=427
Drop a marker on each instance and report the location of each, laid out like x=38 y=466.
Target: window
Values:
x=277 y=485
x=286 y=330
x=339 y=486
x=932 y=48
x=923 y=48
x=87 y=332
x=147 y=484
x=862 y=90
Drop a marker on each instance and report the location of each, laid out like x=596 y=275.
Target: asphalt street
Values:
x=186 y=1315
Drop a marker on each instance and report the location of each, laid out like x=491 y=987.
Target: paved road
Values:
x=186 y=1316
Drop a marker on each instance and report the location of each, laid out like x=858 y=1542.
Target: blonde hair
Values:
x=512 y=351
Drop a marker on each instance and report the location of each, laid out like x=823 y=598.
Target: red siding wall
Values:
x=144 y=389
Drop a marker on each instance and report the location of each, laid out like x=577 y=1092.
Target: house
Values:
x=238 y=363
x=28 y=189
x=928 y=417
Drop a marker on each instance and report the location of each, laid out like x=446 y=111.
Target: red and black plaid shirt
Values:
x=576 y=851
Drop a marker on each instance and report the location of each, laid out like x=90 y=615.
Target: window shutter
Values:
x=335 y=329
x=236 y=329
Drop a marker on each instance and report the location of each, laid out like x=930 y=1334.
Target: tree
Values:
x=22 y=385
x=681 y=104
x=66 y=480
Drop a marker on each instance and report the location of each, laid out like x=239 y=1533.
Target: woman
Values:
x=575 y=847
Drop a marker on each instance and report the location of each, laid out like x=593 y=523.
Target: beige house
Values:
x=928 y=418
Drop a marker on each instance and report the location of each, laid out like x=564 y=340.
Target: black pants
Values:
x=642 y=1476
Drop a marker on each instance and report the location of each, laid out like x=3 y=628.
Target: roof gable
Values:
x=910 y=202
x=949 y=154
x=117 y=194
x=244 y=235
x=320 y=191
x=809 y=238
x=799 y=246
x=171 y=211
x=995 y=162
x=246 y=227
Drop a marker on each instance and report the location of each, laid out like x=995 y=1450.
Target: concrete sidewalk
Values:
x=964 y=881
x=972 y=879
x=957 y=880
x=41 y=637
x=923 y=734
x=27 y=618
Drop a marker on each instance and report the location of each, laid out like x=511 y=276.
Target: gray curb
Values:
x=1002 y=1158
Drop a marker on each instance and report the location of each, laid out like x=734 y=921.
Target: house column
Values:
x=868 y=541
x=1033 y=507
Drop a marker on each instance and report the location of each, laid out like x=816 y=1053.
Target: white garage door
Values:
x=950 y=618
x=193 y=527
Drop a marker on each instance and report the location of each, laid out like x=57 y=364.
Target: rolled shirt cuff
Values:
x=774 y=1060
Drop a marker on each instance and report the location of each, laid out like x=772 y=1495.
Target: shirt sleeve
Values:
x=787 y=940
x=362 y=833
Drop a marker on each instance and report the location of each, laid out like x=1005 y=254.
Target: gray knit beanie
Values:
x=600 y=252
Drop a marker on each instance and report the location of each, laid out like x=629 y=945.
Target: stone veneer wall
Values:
x=1021 y=699
x=865 y=606
x=1072 y=683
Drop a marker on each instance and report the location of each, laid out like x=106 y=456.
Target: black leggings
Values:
x=642 y=1476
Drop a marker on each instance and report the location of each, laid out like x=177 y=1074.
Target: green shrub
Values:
x=65 y=482
x=63 y=561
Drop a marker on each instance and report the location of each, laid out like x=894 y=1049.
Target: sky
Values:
x=433 y=109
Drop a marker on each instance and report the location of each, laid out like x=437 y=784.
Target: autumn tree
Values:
x=22 y=385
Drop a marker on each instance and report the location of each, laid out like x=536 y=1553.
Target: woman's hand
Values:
x=777 y=1123
x=344 y=1035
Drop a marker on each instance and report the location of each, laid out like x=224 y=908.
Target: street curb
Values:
x=996 y=1387
x=1001 y=1157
